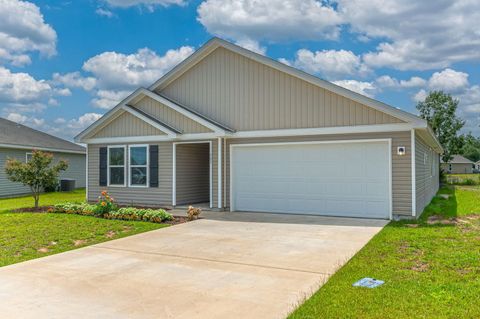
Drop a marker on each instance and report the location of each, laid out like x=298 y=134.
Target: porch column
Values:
x=219 y=173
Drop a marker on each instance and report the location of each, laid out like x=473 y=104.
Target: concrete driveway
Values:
x=228 y=265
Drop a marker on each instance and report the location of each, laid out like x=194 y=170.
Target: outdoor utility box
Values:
x=67 y=185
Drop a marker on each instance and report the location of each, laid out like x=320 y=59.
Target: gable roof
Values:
x=137 y=95
x=14 y=135
x=459 y=159
x=154 y=91
x=215 y=43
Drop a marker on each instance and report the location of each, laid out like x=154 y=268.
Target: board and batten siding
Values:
x=246 y=95
x=76 y=170
x=192 y=173
x=142 y=196
x=426 y=173
x=401 y=165
x=127 y=124
x=169 y=116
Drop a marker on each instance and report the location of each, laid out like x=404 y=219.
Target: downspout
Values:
x=224 y=172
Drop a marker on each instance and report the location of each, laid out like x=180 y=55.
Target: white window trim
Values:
x=124 y=165
x=26 y=156
x=147 y=166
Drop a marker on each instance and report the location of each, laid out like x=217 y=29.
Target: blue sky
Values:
x=64 y=63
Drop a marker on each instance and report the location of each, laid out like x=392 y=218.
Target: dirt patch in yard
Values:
x=79 y=242
x=41 y=209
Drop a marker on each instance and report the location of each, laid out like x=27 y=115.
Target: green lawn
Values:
x=472 y=179
x=25 y=236
x=431 y=270
x=45 y=200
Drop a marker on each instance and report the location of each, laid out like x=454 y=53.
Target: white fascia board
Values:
x=402 y=127
x=326 y=130
x=155 y=124
x=183 y=111
x=49 y=149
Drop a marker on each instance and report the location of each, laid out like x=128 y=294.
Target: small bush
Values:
x=469 y=182
x=105 y=204
x=193 y=213
x=140 y=214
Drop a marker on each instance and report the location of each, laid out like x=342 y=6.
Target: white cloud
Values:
x=416 y=34
x=414 y=81
x=107 y=99
x=448 y=80
x=386 y=81
x=23 y=30
x=75 y=80
x=364 y=88
x=21 y=87
x=274 y=20
x=83 y=121
x=150 y=4
x=331 y=64
x=252 y=45
x=16 y=117
x=115 y=75
x=104 y=13
x=126 y=71
x=25 y=120
x=420 y=96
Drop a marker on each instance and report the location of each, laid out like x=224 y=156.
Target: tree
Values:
x=471 y=147
x=439 y=109
x=38 y=173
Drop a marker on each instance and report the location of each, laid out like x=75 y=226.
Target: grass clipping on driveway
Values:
x=25 y=236
x=431 y=267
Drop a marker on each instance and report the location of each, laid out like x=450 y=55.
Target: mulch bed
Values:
x=43 y=209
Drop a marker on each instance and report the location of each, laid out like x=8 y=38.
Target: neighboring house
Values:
x=477 y=166
x=242 y=132
x=458 y=165
x=18 y=141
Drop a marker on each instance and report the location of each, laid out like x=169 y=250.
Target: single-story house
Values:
x=242 y=132
x=458 y=165
x=477 y=166
x=18 y=141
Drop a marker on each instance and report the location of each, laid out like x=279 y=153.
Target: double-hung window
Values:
x=138 y=166
x=116 y=165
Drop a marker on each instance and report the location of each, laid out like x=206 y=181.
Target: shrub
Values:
x=193 y=212
x=73 y=208
x=140 y=214
x=105 y=204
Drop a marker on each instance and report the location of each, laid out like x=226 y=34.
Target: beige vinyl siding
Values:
x=142 y=196
x=192 y=173
x=170 y=117
x=127 y=124
x=426 y=173
x=246 y=95
x=76 y=170
x=401 y=165
x=458 y=168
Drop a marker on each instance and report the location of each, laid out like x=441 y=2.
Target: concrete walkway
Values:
x=227 y=265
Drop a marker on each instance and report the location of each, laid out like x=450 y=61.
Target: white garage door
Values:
x=337 y=179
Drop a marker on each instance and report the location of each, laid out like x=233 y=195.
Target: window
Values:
x=28 y=157
x=449 y=167
x=138 y=165
x=116 y=166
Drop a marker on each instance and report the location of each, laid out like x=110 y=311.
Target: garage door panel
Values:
x=341 y=179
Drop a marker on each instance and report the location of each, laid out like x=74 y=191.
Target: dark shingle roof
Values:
x=19 y=135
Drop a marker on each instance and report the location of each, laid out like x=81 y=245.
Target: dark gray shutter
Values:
x=103 y=166
x=153 y=165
